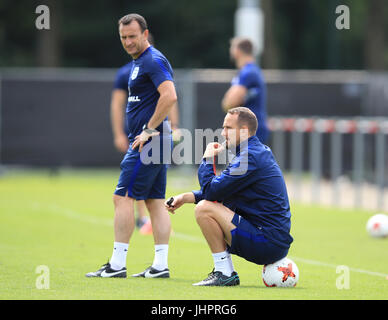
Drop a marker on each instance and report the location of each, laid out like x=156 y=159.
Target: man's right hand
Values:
x=121 y=143
x=177 y=203
x=213 y=149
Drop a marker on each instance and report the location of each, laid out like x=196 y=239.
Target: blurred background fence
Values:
x=326 y=125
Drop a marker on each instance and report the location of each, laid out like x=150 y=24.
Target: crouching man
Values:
x=245 y=210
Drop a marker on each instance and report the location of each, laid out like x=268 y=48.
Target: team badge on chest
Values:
x=135 y=73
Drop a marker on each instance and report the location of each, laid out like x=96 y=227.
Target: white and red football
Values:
x=377 y=226
x=282 y=273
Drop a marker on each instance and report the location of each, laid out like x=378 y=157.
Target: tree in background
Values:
x=270 y=58
x=299 y=34
x=49 y=42
x=375 y=38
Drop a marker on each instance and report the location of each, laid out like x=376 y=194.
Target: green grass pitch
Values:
x=64 y=222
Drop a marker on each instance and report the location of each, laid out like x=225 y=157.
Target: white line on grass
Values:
x=75 y=215
x=69 y=213
x=329 y=265
x=187 y=237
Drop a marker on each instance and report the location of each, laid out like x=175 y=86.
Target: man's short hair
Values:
x=244 y=45
x=246 y=117
x=126 y=20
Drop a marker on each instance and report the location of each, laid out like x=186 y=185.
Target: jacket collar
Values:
x=246 y=143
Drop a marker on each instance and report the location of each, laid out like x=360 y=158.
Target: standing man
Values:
x=120 y=130
x=248 y=89
x=152 y=95
x=244 y=211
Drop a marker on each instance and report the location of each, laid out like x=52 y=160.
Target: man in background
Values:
x=248 y=88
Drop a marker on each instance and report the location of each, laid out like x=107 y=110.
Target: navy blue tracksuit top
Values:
x=253 y=187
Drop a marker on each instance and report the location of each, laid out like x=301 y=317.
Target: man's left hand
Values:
x=142 y=138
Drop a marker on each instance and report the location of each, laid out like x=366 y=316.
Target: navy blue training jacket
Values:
x=252 y=186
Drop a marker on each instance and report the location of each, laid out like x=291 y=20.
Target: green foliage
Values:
x=192 y=34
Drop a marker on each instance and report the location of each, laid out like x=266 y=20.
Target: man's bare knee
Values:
x=203 y=205
x=202 y=209
x=119 y=200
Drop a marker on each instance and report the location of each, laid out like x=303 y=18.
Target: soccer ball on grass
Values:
x=377 y=226
x=282 y=273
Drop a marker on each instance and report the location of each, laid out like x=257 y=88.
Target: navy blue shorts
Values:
x=140 y=177
x=250 y=243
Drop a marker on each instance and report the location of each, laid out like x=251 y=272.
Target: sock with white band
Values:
x=161 y=257
x=223 y=263
x=119 y=256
